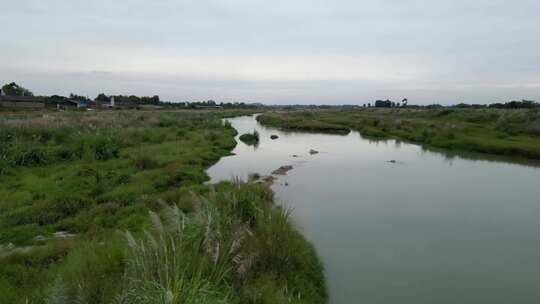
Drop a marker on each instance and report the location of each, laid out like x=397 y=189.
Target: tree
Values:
x=103 y=98
x=13 y=89
x=383 y=104
x=404 y=102
x=78 y=97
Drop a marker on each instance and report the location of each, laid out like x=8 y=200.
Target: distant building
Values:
x=71 y=104
x=27 y=102
x=111 y=104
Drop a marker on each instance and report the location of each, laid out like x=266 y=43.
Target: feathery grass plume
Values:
x=169 y=267
x=156 y=221
x=237 y=248
x=130 y=239
x=212 y=193
x=196 y=201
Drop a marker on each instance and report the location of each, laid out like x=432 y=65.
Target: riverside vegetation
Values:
x=250 y=138
x=112 y=207
x=510 y=132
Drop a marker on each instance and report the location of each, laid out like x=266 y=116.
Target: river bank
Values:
x=76 y=191
x=423 y=229
x=493 y=131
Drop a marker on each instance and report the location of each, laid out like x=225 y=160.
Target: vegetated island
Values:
x=103 y=206
x=251 y=139
x=510 y=129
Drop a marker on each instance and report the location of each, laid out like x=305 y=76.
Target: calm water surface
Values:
x=427 y=229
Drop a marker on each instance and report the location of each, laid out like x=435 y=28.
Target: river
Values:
x=429 y=228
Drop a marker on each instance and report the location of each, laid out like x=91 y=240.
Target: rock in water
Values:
x=253 y=177
x=282 y=170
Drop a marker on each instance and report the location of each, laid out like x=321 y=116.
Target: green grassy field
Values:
x=138 y=224
x=494 y=131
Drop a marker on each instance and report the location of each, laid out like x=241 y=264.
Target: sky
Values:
x=275 y=52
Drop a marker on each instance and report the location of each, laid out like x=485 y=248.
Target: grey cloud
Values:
x=474 y=51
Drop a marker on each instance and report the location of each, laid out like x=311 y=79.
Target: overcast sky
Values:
x=279 y=51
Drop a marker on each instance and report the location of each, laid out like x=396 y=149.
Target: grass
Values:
x=235 y=246
x=302 y=121
x=492 y=131
x=250 y=138
x=95 y=174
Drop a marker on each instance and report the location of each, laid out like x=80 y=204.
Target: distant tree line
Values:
x=523 y=104
x=388 y=104
x=129 y=99
x=214 y=104
x=13 y=89
x=59 y=98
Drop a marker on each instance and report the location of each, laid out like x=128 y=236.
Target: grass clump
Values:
x=209 y=255
x=302 y=121
x=250 y=138
x=146 y=162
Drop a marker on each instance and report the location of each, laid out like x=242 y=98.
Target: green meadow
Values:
x=112 y=207
x=509 y=132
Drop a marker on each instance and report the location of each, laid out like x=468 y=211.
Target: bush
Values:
x=30 y=156
x=533 y=127
x=99 y=147
x=250 y=138
x=212 y=256
x=146 y=162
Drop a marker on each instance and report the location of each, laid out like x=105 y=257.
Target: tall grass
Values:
x=186 y=260
x=235 y=247
x=91 y=174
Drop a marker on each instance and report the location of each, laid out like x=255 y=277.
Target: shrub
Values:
x=146 y=162
x=250 y=138
x=533 y=127
x=97 y=146
x=29 y=156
